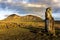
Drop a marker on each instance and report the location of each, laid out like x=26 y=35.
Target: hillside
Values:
x=27 y=18
x=21 y=21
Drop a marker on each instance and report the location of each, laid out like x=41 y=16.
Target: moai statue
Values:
x=49 y=21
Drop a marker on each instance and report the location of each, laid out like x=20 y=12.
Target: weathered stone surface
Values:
x=49 y=21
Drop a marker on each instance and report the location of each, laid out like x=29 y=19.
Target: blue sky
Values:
x=25 y=7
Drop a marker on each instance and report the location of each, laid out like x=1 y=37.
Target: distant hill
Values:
x=27 y=18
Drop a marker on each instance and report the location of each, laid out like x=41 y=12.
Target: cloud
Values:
x=56 y=16
x=9 y=1
x=0 y=0
x=36 y=7
x=3 y=13
x=56 y=1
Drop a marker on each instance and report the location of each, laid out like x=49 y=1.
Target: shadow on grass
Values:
x=41 y=33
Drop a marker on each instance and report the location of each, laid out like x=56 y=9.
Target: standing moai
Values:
x=49 y=21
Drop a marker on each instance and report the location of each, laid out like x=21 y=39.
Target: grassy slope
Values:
x=24 y=31
x=11 y=33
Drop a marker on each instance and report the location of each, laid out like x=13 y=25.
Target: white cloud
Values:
x=35 y=5
x=9 y=1
x=56 y=16
x=25 y=1
x=0 y=0
x=5 y=13
x=56 y=1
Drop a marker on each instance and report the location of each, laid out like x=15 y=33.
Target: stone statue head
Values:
x=48 y=9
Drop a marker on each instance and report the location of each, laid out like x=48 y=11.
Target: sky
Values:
x=26 y=7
